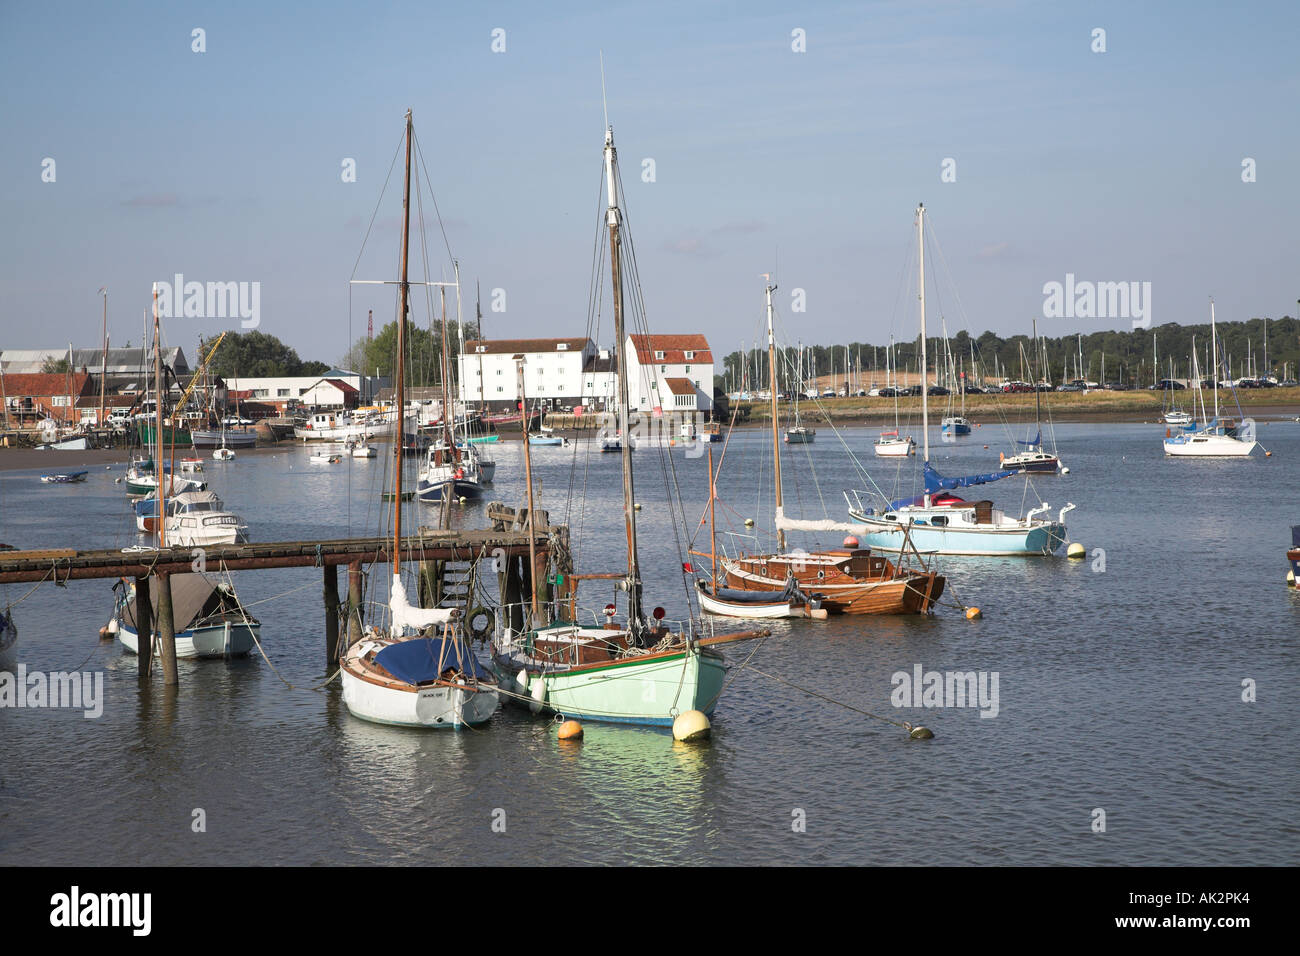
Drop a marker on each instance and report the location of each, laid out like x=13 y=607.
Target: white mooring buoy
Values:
x=691 y=726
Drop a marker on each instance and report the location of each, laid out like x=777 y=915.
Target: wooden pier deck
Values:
x=67 y=564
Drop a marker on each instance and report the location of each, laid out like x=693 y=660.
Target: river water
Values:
x=1119 y=685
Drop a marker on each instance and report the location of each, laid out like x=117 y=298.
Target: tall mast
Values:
x=399 y=393
x=920 y=291
x=103 y=374
x=158 y=471
x=1038 y=395
x=1214 y=351
x=713 y=528
x=776 y=444
x=528 y=481
x=614 y=220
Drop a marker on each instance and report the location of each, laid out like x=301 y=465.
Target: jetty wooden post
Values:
x=354 y=602
x=331 y=613
x=167 y=628
x=143 y=626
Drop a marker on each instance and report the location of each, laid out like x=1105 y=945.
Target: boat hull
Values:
x=651 y=690
x=238 y=438
x=221 y=640
x=1208 y=446
x=1041 y=538
x=894 y=449
x=445 y=707
x=765 y=610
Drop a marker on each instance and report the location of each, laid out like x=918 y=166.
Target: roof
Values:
x=342 y=386
x=121 y=361
x=514 y=346
x=598 y=364
x=674 y=348
x=680 y=386
x=51 y=383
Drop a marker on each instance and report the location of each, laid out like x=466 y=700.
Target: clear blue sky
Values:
x=225 y=165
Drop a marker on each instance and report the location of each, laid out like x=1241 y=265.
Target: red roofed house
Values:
x=670 y=372
x=30 y=398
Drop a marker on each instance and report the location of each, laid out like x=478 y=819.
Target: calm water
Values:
x=1118 y=689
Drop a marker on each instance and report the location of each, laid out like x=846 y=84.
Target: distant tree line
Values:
x=1128 y=354
x=423 y=352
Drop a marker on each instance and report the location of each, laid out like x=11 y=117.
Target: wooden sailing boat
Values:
x=640 y=672
x=848 y=580
x=419 y=681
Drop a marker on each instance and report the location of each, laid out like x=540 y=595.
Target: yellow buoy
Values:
x=1076 y=552
x=973 y=614
x=637 y=506
x=818 y=613
x=691 y=726
x=918 y=732
x=749 y=522
x=570 y=730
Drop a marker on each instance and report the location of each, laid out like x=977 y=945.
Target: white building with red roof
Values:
x=672 y=373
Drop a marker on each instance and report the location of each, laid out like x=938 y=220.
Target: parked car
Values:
x=938 y=390
x=1169 y=384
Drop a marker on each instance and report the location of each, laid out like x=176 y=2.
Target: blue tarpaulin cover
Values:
x=935 y=482
x=424 y=658
x=1038 y=440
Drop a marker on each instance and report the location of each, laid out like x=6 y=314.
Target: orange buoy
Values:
x=570 y=730
x=850 y=542
x=973 y=614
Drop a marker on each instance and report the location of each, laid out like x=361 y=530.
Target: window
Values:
x=688 y=368
x=697 y=383
x=659 y=356
x=561 y=346
x=939 y=521
x=498 y=372
x=690 y=357
x=480 y=349
x=499 y=388
x=59 y=401
x=282 y=393
x=663 y=369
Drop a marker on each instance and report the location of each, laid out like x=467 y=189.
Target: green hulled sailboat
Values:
x=639 y=671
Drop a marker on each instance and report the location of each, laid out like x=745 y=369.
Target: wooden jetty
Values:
x=446 y=558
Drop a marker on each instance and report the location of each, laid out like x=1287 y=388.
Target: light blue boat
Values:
x=939 y=522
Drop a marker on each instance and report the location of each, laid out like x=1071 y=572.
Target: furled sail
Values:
x=416 y=618
x=1038 y=440
x=798 y=524
x=937 y=482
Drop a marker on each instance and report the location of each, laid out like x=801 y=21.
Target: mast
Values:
x=1038 y=395
x=528 y=481
x=613 y=219
x=158 y=423
x=1214 y=350
x=713 y=527
x=103 y=374
x=920 y=291
x=403 y=291
x=776 y=444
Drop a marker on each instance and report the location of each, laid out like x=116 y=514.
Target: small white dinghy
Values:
x=223 y=454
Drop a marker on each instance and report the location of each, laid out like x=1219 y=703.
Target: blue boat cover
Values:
x=424 y=658
x=1295 y=536
x=935 y=482
x=1038 y=440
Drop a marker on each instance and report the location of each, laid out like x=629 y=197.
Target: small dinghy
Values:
x=223 y=454
x=8 y=642
x=64 y=479
x=209 y=620
x=729 y=602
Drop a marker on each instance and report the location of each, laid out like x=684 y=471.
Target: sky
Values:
x=226 y=165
